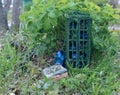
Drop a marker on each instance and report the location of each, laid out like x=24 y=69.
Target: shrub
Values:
x=46 y=19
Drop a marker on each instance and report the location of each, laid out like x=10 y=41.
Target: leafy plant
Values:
x=8 y=59
x=14 y=58
x=46 y=19
x=100 y=79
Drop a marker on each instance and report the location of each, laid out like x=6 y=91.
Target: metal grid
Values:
x=78 y=28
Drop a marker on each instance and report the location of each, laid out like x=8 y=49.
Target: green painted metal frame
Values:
x=78 y=38
x=25 y=2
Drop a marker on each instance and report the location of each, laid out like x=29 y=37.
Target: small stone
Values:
x=12 y=94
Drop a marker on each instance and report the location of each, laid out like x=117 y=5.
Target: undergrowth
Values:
x=20 y=75
x=22 y=56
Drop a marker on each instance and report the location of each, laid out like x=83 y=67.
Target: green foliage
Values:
x=46 y=19
x=102 y=78
x=14 y=58
x=27 y=4
x=8 y=59
x=44 y=28
x=99 y=1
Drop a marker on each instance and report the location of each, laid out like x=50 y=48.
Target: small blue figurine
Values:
x=59 y=57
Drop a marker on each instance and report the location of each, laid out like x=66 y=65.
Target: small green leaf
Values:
x=46 y=24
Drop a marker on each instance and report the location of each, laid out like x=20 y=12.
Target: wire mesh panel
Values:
x=78 y=28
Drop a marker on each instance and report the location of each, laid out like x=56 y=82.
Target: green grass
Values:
x=101 y=78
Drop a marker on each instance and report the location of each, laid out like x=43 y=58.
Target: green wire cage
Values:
x=78 y=38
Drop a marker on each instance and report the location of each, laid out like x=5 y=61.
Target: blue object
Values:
x=84 y=36
x=59 y=57
x=74 y=56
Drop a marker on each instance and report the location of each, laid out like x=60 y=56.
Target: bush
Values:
x=46 y=19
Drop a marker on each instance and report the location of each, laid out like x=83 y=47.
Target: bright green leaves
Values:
x=65 y=5
x=47 y=24
x=36 y=1
x=51 y=14
x=48 y=16
x=116 y=15
x=41 y=16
